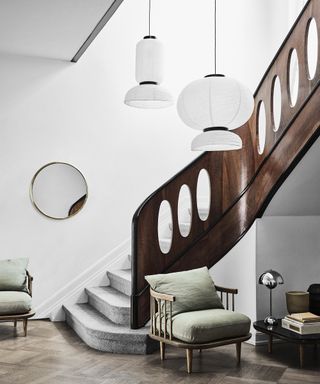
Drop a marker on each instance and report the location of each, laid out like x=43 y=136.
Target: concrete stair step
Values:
x=121 y=280
x=111 y=303
x=102 y=334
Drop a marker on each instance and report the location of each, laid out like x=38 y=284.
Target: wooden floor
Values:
x=53 y=354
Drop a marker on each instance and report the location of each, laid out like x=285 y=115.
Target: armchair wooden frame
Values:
x=21 y=316
x=161 y=309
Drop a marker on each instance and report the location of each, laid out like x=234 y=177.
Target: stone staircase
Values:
x=104 y=321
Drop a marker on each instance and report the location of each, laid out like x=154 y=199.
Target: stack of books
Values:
x=303 y=323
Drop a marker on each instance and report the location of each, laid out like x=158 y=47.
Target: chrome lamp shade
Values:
x=271 y=279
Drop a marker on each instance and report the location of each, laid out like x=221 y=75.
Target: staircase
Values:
x=103 y=322
x=242 y=183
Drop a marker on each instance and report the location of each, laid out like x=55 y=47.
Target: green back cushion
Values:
x=194 y=290
x=13 y=275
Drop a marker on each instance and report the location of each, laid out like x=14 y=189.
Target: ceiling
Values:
x=300 y=193
x=56 y=29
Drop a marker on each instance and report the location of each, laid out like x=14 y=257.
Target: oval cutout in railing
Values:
x=276 y=103
x=261 y=127
x=312 y=48
x=165 y=227
x=184 y=210
x=293 y=77
x=203 y=194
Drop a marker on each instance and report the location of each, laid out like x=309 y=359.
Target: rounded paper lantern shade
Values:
x=215 y=101
x=149 y=60
x=148 y=96
x=218 y=140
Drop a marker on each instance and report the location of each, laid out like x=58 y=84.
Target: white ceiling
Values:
x=300 y=193
x=48 y=28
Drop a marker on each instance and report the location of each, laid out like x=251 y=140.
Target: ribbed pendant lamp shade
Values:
x=215 y=104
x=218 y=140
x=215 y=101
x=149 y=60
x=149 y=73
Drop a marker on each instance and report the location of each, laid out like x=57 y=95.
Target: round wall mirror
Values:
x=58 y=190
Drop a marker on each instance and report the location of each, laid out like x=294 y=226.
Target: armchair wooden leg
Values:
x=238 y=348
x=189 y=360
x=25 y=326
x=15 y=323
x=162 y=350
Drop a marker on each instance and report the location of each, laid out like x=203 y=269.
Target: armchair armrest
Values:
x=234 y=291
x=162 y=296
x=161 y=312
x=30 y=280
x=227 y=291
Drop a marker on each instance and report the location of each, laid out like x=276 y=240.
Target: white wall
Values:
x=299 y=194
x=238 y=270
x=291 y=246
x=57 y=111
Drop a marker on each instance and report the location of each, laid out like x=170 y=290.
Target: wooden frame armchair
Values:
x=161 y=325
x=21 y=316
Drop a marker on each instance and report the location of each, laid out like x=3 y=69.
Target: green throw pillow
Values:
x=13 y=275
x=194 y=290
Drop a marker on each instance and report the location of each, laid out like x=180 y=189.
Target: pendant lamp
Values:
x=149 y=74
x=216 y=105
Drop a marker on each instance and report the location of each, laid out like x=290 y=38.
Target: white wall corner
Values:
x=237 y=269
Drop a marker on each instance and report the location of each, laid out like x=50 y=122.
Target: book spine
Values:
x=300 y=328
x=309 y=320
x=298 y=323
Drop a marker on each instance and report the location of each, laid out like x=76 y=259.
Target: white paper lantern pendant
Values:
x=149 y=75
x=215 y=105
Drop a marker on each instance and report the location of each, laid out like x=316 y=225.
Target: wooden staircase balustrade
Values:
x=242 y=182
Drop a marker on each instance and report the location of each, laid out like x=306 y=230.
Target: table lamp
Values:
x=271 y=279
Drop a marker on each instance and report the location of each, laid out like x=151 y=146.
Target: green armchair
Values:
x=186 y=312
x=15 y=292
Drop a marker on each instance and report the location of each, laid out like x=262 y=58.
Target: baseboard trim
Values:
x=95 y=275
x=263 y=339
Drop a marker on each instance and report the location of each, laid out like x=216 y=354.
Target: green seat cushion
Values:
x=13 y=275
x=209 y=325
x=14 y=303
x=193 y=290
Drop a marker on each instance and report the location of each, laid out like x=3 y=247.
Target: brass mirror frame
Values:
x=32 y=184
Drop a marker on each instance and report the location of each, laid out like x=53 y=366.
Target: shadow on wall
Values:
x=20 y=77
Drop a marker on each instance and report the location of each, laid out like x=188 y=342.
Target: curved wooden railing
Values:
x=242 y=182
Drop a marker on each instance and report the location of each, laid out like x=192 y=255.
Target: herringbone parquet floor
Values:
x=53 y=354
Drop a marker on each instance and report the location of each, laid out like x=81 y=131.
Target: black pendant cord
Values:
x=215 y=37
x=149 y=17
